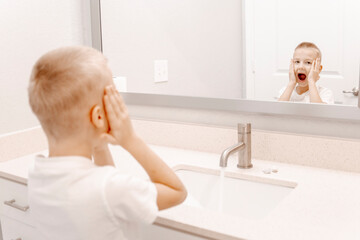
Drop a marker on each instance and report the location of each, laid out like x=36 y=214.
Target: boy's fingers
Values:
x=313 y=65
x=115 y=102
x=113 y=94
x=119 y=101
x=110 y=112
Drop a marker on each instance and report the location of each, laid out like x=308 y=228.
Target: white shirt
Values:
x=71 y=198
x=325 y=94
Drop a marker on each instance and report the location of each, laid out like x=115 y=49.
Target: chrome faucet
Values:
x=243 y=147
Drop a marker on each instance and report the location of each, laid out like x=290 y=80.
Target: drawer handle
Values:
x=16 y=239
x=12 y=203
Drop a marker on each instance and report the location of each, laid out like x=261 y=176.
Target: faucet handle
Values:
x=244 y=128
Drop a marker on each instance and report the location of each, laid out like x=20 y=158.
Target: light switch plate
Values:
x=160 y=71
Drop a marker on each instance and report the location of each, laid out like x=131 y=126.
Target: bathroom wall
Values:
x=201 y=40
x=29 y=29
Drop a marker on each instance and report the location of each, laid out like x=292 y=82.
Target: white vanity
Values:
x=15 y=214
x=290 y=202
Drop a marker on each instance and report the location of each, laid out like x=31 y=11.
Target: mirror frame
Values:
x=341 y=112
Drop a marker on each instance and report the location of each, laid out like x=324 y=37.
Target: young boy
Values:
x=73 y=96
x=304 y=71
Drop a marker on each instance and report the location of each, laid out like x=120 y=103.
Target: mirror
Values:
x=228 y=49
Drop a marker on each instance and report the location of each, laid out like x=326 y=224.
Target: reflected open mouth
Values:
x=302 y=76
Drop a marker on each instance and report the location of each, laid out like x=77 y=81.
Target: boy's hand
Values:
x=120 y=128
x=169 y=188
x=292 y=78
x=315 y=71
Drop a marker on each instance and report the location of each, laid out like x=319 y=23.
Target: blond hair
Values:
x=309 y=45
x=60 y=85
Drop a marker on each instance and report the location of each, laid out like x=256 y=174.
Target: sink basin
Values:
x=236 y=194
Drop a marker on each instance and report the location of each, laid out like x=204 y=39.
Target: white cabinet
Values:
x=15 y=230
x=15 y=217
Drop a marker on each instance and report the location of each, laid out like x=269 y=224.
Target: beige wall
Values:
x=29 y=29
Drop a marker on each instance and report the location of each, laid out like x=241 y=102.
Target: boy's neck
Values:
x=72 y=147
x=301 y=90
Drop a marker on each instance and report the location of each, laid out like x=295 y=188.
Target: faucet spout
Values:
x=227 y=152
x=243 y=147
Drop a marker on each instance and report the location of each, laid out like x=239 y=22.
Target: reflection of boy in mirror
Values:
x=304 y=71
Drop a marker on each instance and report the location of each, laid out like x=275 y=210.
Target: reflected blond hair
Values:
x=309 y=45
x=62 y=85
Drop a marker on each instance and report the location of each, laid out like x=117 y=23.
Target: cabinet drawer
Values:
x=15 y=230
x=14 y=201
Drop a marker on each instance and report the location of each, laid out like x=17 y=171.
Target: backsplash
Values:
x=323 y=152
x=22 y=143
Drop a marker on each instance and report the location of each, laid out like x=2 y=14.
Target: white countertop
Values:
x=325 y=204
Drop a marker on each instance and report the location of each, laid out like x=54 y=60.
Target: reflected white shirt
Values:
x=325 y=94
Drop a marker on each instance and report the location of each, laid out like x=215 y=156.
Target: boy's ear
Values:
x=321 y=67
x=97 y=117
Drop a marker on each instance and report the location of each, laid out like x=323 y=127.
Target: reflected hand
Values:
x=315 y=71
x=292 y=78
